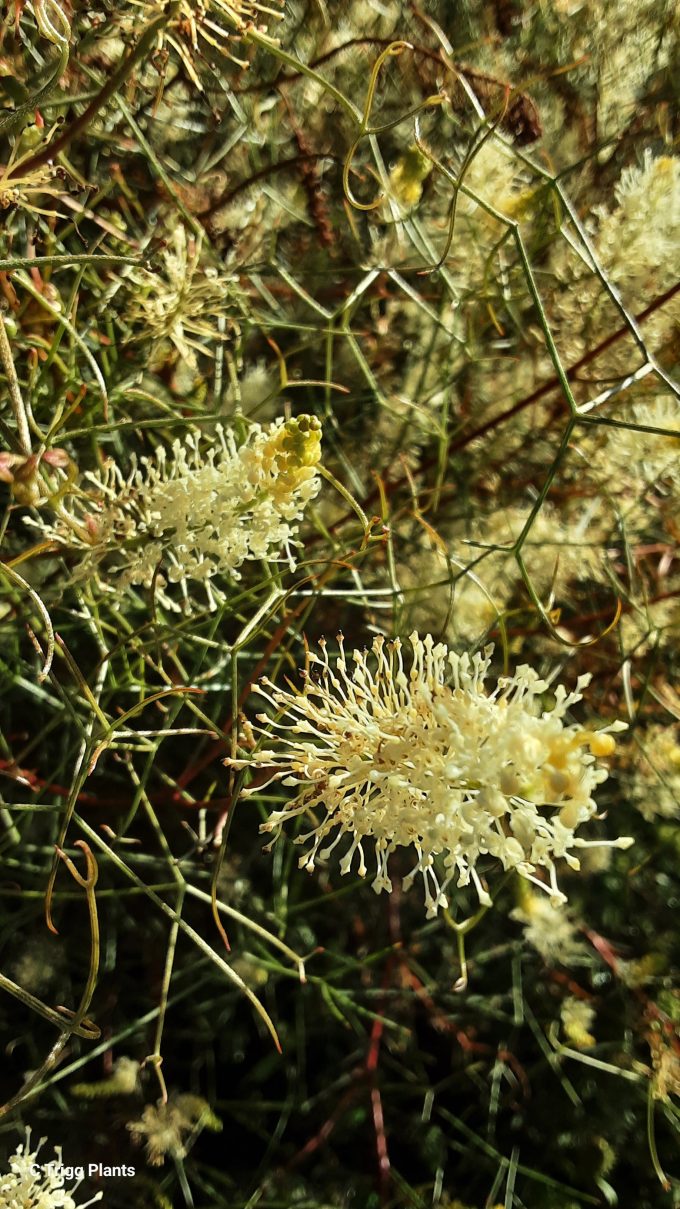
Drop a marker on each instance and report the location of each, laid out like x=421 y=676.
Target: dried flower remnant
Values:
x=202 y=513
x=29 y=486
x=24 y=189
x=18 y=190
x=166 y=1127
x=663 y=1037
x=180 y=303
x=428 y=758
x=202 y=28
x=123 y=1081
x=33 y=1184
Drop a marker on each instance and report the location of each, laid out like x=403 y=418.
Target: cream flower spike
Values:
x=33 y=1184
x=200 y=509
x=426 y=757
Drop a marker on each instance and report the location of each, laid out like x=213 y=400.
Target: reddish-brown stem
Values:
x=49 y=153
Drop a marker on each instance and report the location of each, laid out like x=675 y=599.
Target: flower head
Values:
x=199 y=512
x=562 y=547
x=638 y=240
x=427 y=757
x=630 y=458
x=32 y=1185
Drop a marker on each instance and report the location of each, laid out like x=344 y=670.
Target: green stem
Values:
x=32 y=262
x=347 y=497
x=23 y=431
x=651 y=1140
x=260 y=39
x=20 y=582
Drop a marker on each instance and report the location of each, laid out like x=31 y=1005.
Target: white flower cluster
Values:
x=33 y=1185
x=495 y=175
x=615 y=48
x=654 y=456
x=639 y=240
x=637 y=243
x=427 y=757
x=549 y=929
x=656 y=780
x=200 y=513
